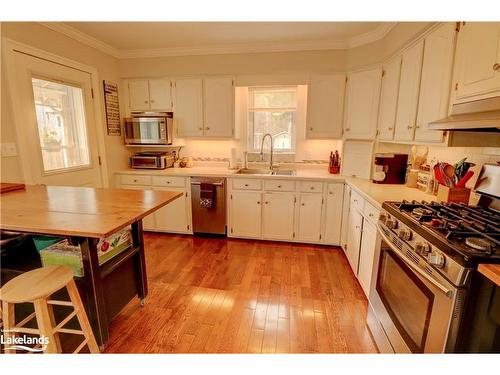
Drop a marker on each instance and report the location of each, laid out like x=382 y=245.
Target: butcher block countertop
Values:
x=78 y=211
x=491 y=271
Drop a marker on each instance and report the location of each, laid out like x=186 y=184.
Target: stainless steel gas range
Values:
x=423 y=270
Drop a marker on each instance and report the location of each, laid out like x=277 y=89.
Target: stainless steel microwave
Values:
x=149 y=128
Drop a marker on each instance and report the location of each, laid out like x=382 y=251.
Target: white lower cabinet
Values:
x=148 y=222
x=366 y=255
x=277 y=216
x=245 y=214
x=175 y=216
x=345 y=217
x=334 y=213
x=309 y=228
x=355 y=225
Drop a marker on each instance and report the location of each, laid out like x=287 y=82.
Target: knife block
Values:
x=452 y=194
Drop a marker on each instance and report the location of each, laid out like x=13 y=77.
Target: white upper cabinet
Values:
x=363 y=94
x=325 y=106
x=389 y=98
x=150 y=94
x=477 y=61
x=138 y=91
x=160 y=94
x=218 y=98
x=188 y=114
x=277 y=216
x=435 y=84
x=409 y=87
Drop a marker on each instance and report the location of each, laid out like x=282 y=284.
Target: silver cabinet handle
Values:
x=279 y=186
x=246 y=185
x=311 y=129
x=145 y=102
x=258 y=202
x=214 y=183
x=303 y=204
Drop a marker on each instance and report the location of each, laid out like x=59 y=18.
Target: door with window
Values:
x=56 y=126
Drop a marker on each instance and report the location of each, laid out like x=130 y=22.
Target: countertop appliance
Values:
x=151 y=160
x=390 y=168
x=149 y=128
x=208 y=204
x=424 y=265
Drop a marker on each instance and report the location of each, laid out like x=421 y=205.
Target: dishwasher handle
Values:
x=213 y=183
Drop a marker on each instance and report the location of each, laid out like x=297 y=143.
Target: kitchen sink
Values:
x=267 y=172
x=285 y=172
x=254 y=171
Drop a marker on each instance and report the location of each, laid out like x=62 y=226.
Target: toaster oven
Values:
x=151 y=160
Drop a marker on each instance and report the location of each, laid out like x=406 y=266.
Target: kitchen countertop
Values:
x=491 y=271
x=376 y=194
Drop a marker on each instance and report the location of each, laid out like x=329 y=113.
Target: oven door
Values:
x=146 y=130
x=414 y=307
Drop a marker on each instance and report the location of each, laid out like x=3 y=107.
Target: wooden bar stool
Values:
x=36 y=287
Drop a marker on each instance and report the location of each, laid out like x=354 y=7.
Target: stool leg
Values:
x=44 y=324
x=53 y=324
x=82 y=316
x=9 y=321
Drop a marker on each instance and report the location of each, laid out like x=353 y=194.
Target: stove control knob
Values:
x=405 y=234
x=391 y=223
x=382 y=218
x=436 y=259
x=422 y=248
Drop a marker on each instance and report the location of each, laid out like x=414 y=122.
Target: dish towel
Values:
x=206 y=194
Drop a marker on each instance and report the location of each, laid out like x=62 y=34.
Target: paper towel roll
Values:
x=233 y=160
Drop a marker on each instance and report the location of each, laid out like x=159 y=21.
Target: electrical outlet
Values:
x=9 y=149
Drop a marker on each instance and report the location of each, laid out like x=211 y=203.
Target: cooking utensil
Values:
x=450 y=173
x=464 y=179
x=438 y=174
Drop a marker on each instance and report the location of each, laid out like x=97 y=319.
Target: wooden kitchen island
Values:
x=86 y=215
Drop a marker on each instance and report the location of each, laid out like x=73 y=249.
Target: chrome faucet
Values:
x=262 y=148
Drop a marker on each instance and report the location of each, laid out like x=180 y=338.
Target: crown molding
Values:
x=359 y=40
x=81 y=37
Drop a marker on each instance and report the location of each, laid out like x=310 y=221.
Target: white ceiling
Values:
x=136 y=39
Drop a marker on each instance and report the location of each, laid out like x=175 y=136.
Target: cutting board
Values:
x=6 y=187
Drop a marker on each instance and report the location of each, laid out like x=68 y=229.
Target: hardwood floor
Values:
x=211 y=295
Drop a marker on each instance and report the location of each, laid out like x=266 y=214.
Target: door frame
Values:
x=9 y=49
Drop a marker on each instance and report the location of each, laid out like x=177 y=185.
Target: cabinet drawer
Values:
x=247 y=184
x=279 y=185
x=311 y=186
x=370 y=212
x=168 y=181
x=128 y=179
x=357 y=201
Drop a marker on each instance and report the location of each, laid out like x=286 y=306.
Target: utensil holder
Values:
x=451 y=194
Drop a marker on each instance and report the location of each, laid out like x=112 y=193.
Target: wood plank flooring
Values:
x=211 y=295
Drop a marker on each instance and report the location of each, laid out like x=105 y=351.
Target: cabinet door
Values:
x=277 y=216
x=218 y=96
x=245 y=212
x=366 y=255
x=188 y=104
x=148 y=222
x=160 y=94
x=345 y=217
x=355 y=224
x=325 y=106
x=363 y=95
x=435 y=85
x=333 y=216
x=174 y=217
x=138 y=92
x=389 y=98
x=310 y=206
x=409 y=87
x=478 y=50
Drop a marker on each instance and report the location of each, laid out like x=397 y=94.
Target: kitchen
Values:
x=303 y=179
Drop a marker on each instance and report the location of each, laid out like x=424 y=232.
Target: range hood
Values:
x=480 y=115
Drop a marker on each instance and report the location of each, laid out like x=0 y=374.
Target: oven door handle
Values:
x=398 y=252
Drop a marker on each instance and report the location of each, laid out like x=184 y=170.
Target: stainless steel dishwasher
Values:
x=208 y=202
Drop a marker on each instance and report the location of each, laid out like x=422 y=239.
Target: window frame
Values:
x=251 y=109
